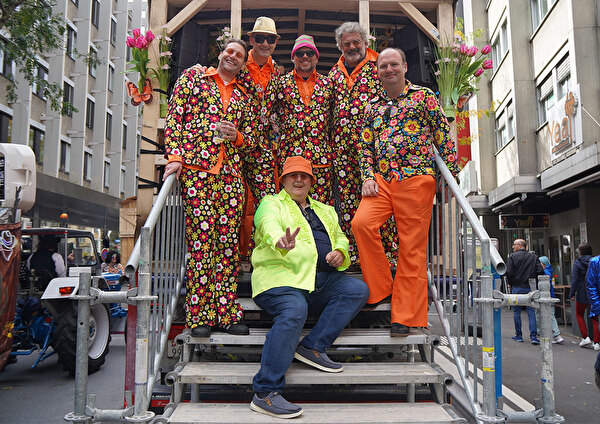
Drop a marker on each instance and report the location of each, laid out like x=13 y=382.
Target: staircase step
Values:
x=349 y=337
x=322 y=413
x=354 y=373
x=249 y=305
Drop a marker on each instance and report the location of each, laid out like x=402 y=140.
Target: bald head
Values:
x=519 y=244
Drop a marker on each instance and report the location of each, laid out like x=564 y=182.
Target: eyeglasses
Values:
x=237 y=54
x=300 y=54
x=260 y=38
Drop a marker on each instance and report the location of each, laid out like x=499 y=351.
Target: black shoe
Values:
x=201 y=331
x=399 y=330
x=235 y=329
x=371 y=306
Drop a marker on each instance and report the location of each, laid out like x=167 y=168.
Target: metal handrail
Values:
x=454 y=256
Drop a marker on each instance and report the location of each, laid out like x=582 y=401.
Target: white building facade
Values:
x=87 y=161
x=537 y=156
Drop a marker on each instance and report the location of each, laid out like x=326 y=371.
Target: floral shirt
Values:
x=397 y=136
x=194 y=111
x=304 y=129
x=351 y=99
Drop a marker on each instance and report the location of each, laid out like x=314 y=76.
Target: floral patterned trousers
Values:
x=213 y=212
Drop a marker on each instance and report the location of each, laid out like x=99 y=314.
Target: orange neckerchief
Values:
x=226 y=92
x=260 y=75
x=306 y=87
x=370 y=56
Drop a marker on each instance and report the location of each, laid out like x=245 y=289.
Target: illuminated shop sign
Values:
x=532 y=220
x=564 y=124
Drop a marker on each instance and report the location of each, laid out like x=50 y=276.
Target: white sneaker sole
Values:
x=258 y=409
x=315 y=365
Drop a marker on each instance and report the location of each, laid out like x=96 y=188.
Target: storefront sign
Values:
x=516 y=222
x=564 y=124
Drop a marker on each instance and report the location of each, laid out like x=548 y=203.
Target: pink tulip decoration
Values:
x=486 y=49
x=138 y=44
x=478 y=72
x=464 y=49
x=487 y=64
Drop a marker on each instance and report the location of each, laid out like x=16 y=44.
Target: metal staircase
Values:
x=385 y=380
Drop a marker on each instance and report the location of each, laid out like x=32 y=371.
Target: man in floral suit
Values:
x=354 y=82
x=203 y=145
x=301 y=100
x=258 y=166
x=397 y=164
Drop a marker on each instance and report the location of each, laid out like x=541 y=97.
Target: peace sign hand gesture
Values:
x=288 y=241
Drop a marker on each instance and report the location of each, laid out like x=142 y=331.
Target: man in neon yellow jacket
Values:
x=299 y=255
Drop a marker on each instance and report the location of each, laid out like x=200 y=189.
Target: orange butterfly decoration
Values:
x=137 y=97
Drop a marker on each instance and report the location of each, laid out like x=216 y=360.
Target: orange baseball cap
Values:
x=297 y=164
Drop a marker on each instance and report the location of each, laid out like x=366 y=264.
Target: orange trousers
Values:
x=410 y=201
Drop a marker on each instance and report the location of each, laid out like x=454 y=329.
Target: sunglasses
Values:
x=309 y=53
x=230 y=51
x=260 y=38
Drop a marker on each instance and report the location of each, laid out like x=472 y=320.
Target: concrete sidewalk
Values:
x=577 y=397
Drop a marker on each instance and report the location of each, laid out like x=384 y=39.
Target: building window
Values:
x=5 y=128
x=6 y=64
x=89 y=114
x=122 y=182
x=505 y=126
x=111 y=77
x=563 y=77
x=124 y=137
x=36 y=142
x=65 y=156
x=68 y=93
x=87 y=166
x=71 y=42
x=37 y=88
x=539 y=9
x=113 y=31
x=545 y=92
x=108 y=125
x=92 y=64
x=95 y=12
x=500 y=45
x=106 y=174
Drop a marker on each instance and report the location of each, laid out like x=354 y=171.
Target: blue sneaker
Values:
x=275 y=405
x=517 y=339
x=535 y=342
x=316 y=359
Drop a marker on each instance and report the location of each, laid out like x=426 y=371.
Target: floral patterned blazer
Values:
x=194 y=111
x=399 y=134
x=303 y=129
x=351 y=102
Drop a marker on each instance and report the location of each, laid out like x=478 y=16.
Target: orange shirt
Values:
x=305 y=87
x=260 y=75
x=226 y=92
x=370 y=56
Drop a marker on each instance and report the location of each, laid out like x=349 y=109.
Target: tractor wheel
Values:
x=65 y=337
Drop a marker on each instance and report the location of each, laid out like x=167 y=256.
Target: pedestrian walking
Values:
x=578 y=294
x=522 y=265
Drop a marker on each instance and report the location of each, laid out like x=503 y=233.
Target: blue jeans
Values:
x=337 y=298
x=530 y=315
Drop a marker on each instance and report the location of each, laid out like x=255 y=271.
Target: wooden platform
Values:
x=322 y=413
x=354 y=373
